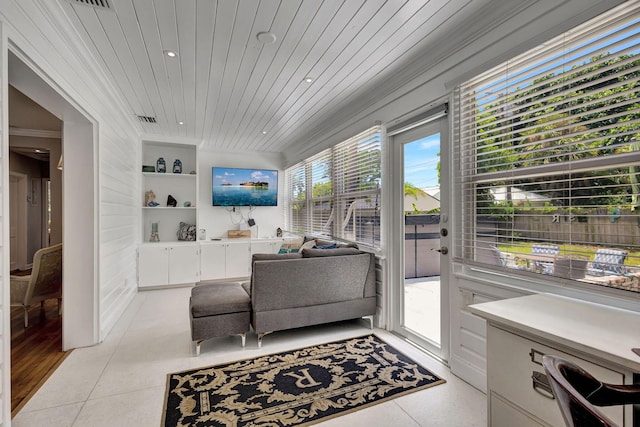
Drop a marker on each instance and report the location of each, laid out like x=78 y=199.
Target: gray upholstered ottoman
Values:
x=217 y=310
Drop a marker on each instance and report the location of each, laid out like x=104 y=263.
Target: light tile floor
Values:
x=121 y=382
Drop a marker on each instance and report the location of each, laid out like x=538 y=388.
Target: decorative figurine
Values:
x=161 y=165
x=177 y=166
x=279 y=232
x=187 y=204
x=171 y=201
x=150 y=199
x=154 y=233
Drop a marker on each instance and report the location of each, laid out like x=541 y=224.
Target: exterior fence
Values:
x=421 y=241
x=620 y=228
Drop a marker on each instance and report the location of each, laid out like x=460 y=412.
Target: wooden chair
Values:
x=45 y=281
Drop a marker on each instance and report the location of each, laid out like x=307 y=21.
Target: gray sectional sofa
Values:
x=309 y=288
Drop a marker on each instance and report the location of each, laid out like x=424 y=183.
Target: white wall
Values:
x=217 y=220
x=101 y=157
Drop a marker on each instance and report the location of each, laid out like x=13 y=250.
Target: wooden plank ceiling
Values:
x=233 y=92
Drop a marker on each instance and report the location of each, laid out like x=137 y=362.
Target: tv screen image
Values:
x=244 y=187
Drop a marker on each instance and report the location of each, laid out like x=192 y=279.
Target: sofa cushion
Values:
x=312 y=253
x=270 y=257
x=219 y=298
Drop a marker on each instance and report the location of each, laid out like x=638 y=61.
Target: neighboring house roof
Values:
x=518 y=196
x=424 y=203
x=433 y=191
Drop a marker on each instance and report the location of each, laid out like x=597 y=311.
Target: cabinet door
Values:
x=237 y=262
x=262 y=247
x=153 y=266
x=183 y=264
x=212 y=261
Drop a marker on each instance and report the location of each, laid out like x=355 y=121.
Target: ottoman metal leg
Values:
x=196 y=348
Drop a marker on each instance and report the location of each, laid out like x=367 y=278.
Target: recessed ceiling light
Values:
x=170 y=53
x=180 y=123
x=266 y=37
x=308 y=79
x=264 y=132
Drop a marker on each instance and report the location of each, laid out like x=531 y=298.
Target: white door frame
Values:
x=80 y=323
x=397 y=247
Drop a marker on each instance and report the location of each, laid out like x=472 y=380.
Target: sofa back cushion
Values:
x=311 y=253
x=311 y=281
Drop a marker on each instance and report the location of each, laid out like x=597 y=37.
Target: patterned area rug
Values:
x=294 y=388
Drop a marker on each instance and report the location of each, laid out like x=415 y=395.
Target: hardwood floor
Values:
x=35 y=351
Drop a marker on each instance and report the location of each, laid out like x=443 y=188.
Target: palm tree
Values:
x=415 y=192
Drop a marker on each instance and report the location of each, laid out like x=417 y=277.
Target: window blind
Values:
x=336 y=193
x=549 y=157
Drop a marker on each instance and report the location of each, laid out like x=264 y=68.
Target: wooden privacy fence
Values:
x=600 y=226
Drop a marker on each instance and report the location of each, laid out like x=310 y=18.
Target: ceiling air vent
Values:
x=147 y=119
x=98 y=4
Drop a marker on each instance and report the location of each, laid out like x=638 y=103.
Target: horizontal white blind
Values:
x=549 y=154
x=336 y=193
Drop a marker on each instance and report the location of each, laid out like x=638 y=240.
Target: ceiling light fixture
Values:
x=170 y=53
x=264 y=132
x=308 y=79
x=266 y=37
x=180 y=123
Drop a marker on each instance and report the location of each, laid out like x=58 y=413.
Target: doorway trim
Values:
x=439 y=124
x=80 y=323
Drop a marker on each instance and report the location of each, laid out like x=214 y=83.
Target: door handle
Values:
x=443 y=250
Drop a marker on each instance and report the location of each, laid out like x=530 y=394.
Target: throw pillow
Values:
x=332 y=246
x=307 y=245
x=187 y=231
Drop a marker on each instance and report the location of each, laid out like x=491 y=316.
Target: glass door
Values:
x=421 y=295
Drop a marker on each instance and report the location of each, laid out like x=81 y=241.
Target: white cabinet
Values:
x=518 y=386
x=212 y=261
x=237 y=262
x=266 y=246
x=521 y=330
x=165 y=264
x=183 y=187
x=225 y=260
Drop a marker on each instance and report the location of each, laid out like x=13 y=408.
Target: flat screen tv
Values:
x=244 y=187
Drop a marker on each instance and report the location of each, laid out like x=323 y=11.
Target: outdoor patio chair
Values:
x=545 y=266
x=497 y=257
x=608 y=262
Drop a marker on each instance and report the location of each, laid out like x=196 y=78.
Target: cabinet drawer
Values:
x=504 y=414
x=513 y=361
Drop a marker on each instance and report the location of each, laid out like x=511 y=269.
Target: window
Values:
x=549 y=153
x=337 y=192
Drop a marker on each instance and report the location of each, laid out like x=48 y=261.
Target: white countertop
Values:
x=603 y=331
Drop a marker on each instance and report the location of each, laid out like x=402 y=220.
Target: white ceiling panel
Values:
x=228 y=87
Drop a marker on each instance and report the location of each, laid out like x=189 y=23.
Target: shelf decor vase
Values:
x=154 y=233
x=161 y=165
x=177 y=166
